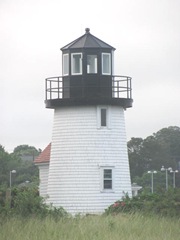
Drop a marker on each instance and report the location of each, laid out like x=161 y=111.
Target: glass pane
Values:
x=65 y=64
x=107 y=184
x=103 y=117
x=76 y=63
x=91 y=64
x=107 y=173
x=106 y=66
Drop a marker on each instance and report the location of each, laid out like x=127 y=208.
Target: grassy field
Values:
x=120 y=227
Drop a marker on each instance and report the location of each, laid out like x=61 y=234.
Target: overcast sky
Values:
x=145 y=33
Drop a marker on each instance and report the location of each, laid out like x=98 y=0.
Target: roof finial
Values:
x=87 y=30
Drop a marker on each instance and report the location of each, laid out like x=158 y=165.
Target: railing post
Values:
x=112 y=86
x=58 y=87
x=118 y=88
x=50 y=90
x=127 y=87
x=46 y=89
x=130 y=89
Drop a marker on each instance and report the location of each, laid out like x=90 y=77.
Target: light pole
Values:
x=166 y=170
x=10 y=182
x=174 y=177
x=152 y=180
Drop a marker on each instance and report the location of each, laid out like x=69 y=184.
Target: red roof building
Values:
x=44 y=156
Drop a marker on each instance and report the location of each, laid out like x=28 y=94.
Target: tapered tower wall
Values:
x=81 y=148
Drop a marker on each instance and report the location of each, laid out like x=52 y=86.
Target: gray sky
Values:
x=145 y=33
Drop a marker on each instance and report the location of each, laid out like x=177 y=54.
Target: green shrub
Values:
x=26 y=202
x=57 y=213
x=2 y=196
x=165 y=203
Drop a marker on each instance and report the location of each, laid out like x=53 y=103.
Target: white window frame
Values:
x=102 y=168
x=108 y=117
x=109 y=65
x=72 y=64
x=65 y=64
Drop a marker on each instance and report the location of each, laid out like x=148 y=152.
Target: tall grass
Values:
x=124 y=226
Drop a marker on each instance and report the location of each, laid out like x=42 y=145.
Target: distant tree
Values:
x=159 y=181
x=25 y=169
x=160 y=149
x=26 y=152
x=136 y=161
x=4 y=158
x=7 y=163
x=169 y=139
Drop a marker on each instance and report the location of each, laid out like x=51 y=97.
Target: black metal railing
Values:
x=121 y=87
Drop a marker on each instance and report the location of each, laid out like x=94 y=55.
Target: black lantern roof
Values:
x=87 y=41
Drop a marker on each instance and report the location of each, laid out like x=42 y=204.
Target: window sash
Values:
x=106 y=63
x=65 y=64
x=76 y=63
x=107 y=179
x=107 y=184
x=103 y=117
x=91 y=64
x=107 y=176
x=107 y=173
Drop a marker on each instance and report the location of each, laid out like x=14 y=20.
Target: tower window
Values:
x=107 y=184
x=106 y=63
x=65 y=64
x=103 y=117
x=76 y=63
x=91 y=63
x=107 y=178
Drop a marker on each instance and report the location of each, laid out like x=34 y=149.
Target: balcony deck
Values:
x=58 y=93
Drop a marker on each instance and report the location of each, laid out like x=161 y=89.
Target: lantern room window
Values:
x=65 y=64
x=106 y=63
x=76 y=63
x=91 y=63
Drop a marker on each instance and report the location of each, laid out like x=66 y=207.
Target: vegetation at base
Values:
x=26 y=203
x=124 y=226
x=145 y=217
x=165 y=203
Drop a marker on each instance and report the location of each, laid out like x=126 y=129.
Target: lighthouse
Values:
x=88 y=168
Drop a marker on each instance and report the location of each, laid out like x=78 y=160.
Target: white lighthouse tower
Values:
x=89 y=168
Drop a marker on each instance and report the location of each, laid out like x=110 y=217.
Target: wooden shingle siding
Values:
x=79 y=149
x=43 y=176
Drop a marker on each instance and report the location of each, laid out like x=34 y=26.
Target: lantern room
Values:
x=88 y=76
